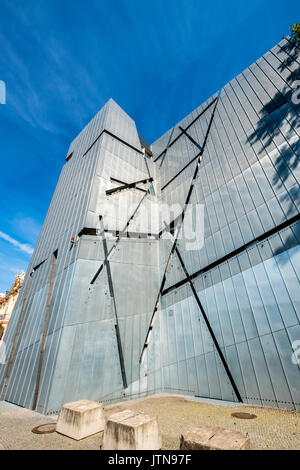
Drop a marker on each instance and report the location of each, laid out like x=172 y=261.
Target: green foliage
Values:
x=296 y=32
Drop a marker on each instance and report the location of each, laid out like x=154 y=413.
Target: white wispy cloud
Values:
x=21 y=246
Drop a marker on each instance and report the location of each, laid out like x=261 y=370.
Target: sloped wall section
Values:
x=120 y=302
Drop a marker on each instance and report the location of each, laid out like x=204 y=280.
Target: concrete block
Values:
x=81 y=419
x=213 y=438
x=131 y=430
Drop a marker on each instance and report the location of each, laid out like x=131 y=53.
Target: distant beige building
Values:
x=7 y=302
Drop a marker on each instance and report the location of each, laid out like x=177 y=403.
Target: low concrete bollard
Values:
x=213 y=438
x=131 y=430
x=81 y=419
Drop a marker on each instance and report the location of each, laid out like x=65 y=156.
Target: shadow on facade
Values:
x=283 y=106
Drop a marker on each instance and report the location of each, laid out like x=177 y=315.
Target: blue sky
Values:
x=62 y=60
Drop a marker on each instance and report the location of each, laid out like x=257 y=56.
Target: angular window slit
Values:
x=38 y=266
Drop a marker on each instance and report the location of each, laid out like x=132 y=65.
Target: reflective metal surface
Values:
x=146 y=305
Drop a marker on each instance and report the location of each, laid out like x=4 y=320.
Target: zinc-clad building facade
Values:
x=107 y=318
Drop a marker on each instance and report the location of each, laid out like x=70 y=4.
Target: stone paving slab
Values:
x=16 y=433
x=213 y=438
x=272 y=429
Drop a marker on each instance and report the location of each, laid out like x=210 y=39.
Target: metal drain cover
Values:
x=243 y=415
x=44 y=428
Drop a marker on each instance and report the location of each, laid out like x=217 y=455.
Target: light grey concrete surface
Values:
x=213 y=438
x=81 y=419
x=131 y=430
x=272 y=429
x=246 y=186
x=16 y=426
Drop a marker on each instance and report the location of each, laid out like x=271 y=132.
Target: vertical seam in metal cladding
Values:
x=270 y=114
x=201 y=112
x=166 y=149
x=22 y=353
x=99 y=270
x=18 y=329
x=111 y=288
x=280 y=76
x=254 y=150
x=242 y=171
x=278 y=150
x=287 y=53
x=272 y=333
x=263 y=146
x=275 y=86
x=221 y=331
x=45 y=328
x=60 y=331
x=259 y=339
x=175 y=241
x=266 y=155
x=218 y=348
x=90 y=172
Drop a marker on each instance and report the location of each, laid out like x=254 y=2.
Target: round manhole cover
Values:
x=44 y=428
x=243 y=415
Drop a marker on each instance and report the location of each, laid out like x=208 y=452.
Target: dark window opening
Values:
x=276 y=103
x=38 y=265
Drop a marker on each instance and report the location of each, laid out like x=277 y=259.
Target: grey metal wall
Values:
x=226 y=331
x=248 y=182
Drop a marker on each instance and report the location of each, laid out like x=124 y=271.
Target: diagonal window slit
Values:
x=175 y=239
x=129 y=186
x=215 y=341
x=118 y=238
x=111 y=289
x=191 y=139
x=193 y=122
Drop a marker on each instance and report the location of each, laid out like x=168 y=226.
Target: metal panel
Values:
x=223 y=319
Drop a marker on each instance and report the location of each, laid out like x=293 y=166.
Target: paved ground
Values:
x=15 y=432
x=272 y=429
